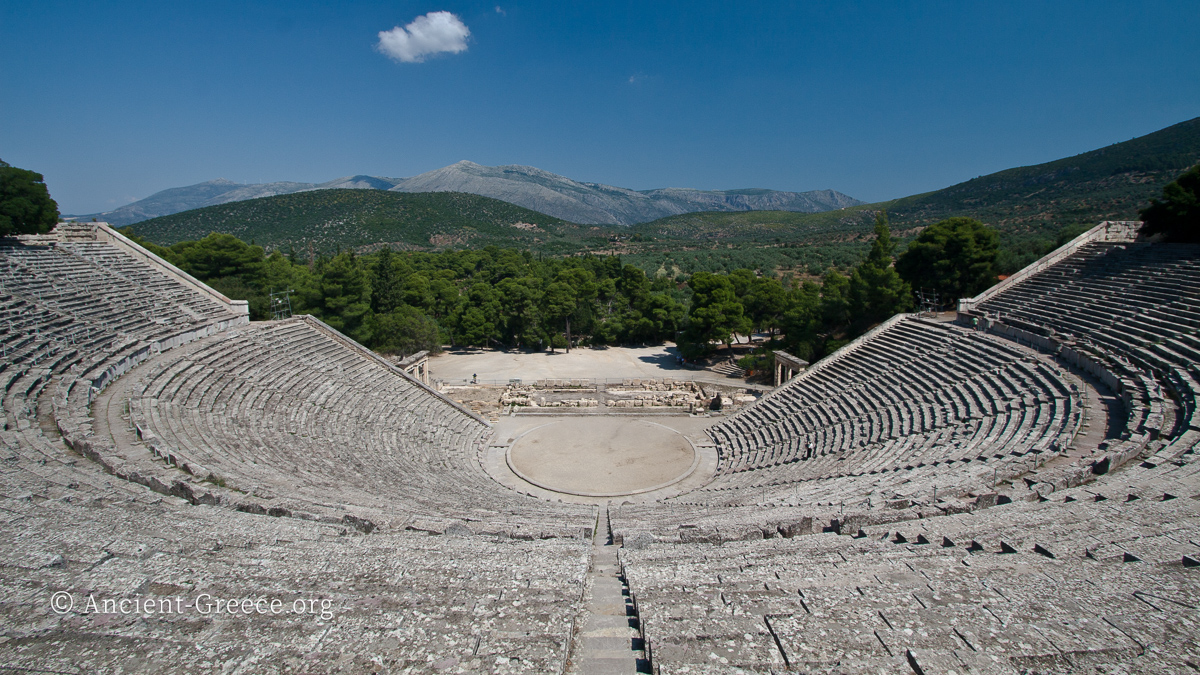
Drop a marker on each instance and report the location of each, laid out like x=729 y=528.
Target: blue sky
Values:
x=115 y=101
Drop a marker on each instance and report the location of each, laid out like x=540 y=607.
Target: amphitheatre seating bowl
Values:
x=917 y=502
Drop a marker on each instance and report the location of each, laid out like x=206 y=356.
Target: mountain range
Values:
x=526 y=186
x=1030 y=207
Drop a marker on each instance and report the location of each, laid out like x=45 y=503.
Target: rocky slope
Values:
x=596 y=203
x=526 y=186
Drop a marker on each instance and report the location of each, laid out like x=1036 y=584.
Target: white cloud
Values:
x=433 y=33
x=501 y=12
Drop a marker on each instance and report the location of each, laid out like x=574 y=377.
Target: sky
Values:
x=113 y=101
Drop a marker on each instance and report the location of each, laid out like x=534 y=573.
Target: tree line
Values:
x=406 y=301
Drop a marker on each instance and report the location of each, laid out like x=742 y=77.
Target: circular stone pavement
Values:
x=602 y=456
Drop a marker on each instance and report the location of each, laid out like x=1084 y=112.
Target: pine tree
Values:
x=716 y=313
x=558 y=303
x=876 y=291
x=346 y=289
x=385 y=283
x=955 y=257
x=1177 y=216
x=25 y=203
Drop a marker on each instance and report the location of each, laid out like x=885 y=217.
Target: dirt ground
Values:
x=497 y=367
x=601 y=455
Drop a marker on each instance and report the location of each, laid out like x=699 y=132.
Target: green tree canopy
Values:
x=346 y=290
x=558 y=302
x=217 y=256
x=386 y=288
x=1177 y=216
x=955 y=257
x=522 y=299
x=882 y=248
x=583 y=318
x=876 y=290
x=404 y=330
x=25 y=203
x=742 y=279
x=835 y=299
x=474 y=328
x=663 y=314
x=765 y=302
x=801 y=322
x=716 y=313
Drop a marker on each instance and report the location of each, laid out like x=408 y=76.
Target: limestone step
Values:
x=609 y=640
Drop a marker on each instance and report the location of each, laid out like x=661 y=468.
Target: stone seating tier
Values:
x=93 y=529
x=1085 y=581
x=820 y=547
x=286 y=410
x=862 y=427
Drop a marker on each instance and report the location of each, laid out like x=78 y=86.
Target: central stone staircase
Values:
x=609 y=641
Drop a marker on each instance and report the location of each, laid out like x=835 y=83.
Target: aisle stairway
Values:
x=609 y=638
x=728 y=369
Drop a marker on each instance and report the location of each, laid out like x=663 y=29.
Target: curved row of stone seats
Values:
x=405 y=599
x=55 y=301
x=89 y=280
x=1136 y=299
x=71 y=326
x=34 y=466
x=291 y=412
x=1103 y=284
x=1101 y=577
x=67 y=317
x=1128 y=311
x=916 y=394
x=148 y=279
x=60 y=316
x=410 y=598
x=1065 y=578
x=411 y=601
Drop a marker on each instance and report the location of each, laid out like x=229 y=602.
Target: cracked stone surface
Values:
x=184 y=492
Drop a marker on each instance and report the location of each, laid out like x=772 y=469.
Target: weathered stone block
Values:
x=795 y=528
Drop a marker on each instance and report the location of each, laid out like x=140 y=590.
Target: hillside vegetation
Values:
x=524 y=186
x=1032 y=208
x=1111 y=183
x=401 y=302
x=327 y=220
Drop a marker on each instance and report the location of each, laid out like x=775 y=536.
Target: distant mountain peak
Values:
x=527 y=186
x=597 y=203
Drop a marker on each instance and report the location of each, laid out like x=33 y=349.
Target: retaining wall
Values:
x=110 y=236
x=1109 y=230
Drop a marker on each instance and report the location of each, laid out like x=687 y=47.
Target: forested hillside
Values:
x=401 y=302
x=1032 y=209
x=329 y=220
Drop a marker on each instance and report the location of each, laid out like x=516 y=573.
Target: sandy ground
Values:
x=602 y=455
x=583 y=449
x=496 y=367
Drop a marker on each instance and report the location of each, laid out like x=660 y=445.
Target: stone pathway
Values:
x=609 y=641
x=1103 y=418
x=727 y=369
